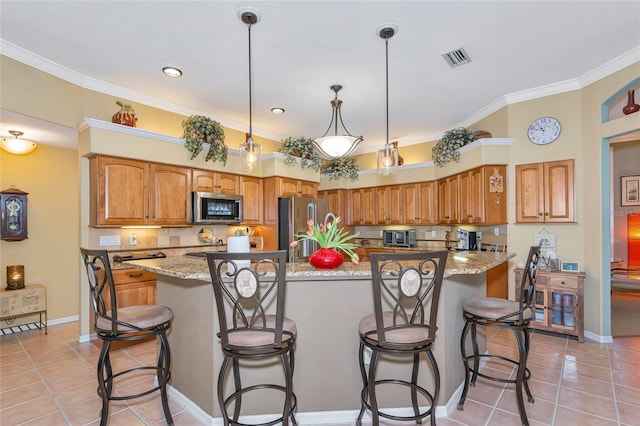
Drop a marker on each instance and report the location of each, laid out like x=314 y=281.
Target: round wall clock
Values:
x=544 y=130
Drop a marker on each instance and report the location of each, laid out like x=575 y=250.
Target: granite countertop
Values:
x=178 y=266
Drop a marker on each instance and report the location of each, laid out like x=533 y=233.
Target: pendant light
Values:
x=250 y=152
x=336 y=145
x=387 y=157
x=15 y=145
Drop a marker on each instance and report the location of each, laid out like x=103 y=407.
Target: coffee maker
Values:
x=467 y=240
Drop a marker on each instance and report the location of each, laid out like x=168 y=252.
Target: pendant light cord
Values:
x=250 y=97
x=386 y=46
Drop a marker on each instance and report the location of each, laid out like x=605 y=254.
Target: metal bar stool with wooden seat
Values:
x=128 y=324
x=406 y=291
x=505 y=314
x=249 y=291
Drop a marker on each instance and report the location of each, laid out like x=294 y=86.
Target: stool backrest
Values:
x=528 y=284
x=249 y=290
x=408 y=285
x=102 y=289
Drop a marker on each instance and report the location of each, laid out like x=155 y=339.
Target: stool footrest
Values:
x=364 y=397
x=238 y=394
x=475 y=369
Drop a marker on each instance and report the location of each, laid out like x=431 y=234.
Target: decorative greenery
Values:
x=339 y=168
x=301 y=148
x=446 y=149
x=328 y=235
x=199 y=130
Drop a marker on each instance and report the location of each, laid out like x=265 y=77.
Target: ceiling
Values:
x=518 y=49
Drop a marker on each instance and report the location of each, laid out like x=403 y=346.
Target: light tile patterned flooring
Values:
x=50 y=380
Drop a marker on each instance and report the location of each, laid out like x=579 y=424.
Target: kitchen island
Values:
x=327 y=307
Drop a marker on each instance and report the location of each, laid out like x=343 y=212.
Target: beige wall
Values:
x=50 y=255
x=581 y=138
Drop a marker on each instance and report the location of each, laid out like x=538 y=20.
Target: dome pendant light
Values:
x=15 y=145
x=336 y=145
x=250 y=152
x=387 y=157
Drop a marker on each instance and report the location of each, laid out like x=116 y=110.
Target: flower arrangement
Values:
x=328 y=235
x=446 y=149
x=300 y=148
x=339 y=168
x=199 y=130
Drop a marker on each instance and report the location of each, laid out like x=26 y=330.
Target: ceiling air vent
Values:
x=457 y=57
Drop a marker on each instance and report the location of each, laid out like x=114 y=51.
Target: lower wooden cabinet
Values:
x=498 y=281
x=559 y=302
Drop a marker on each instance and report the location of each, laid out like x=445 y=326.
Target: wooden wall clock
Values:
x=13 y=203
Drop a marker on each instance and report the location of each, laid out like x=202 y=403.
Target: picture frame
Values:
x=569 y=266
x=630 y=190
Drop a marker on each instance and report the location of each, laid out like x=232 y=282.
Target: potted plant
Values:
x=199 y=130
x=331 y=241
x=446 y=149
x=300 y=148
x=339 y=168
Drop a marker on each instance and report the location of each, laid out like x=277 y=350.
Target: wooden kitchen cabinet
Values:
x=448 y=200
x=420 y=203
x=251 y=189
x=362 y=203
x=337 y=202
x=131 y=192
x=559 y=302
x=219 y=183
x=545 y=192
x=277 y=186
x=389 y=206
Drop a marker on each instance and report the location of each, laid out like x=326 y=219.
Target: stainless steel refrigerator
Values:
x=293 y=214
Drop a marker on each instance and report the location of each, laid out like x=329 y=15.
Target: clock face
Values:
x=544 y=130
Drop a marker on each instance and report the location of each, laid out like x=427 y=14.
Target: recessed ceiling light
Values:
x=277 y=110
x=172 y=72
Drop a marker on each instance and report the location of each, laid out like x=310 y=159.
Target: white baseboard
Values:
x=600 y=339
x=62 y=320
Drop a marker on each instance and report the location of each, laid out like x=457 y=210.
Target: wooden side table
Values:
x=32 y=299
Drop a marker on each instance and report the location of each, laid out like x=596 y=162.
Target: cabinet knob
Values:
x=546 y=213
x=540 y=214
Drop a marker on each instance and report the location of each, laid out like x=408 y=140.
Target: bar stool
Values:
x=506 y=314
x=249 y=290
x=131 y=323
x=406 y=291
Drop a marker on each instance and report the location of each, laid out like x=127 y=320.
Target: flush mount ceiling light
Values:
x=336 y=145
x=15 y=145
x=277 y=110
x=172 y=72
x=250 y=152
x=387 y=157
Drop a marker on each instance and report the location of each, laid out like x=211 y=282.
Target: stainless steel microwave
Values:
x=212 y=208
x=400 y=238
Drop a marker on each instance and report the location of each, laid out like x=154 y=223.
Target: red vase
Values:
x=326 y=258
x=632 y=106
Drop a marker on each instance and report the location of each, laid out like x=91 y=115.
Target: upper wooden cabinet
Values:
x=277 y=186
x=219 y=183
x=252 y=189
x=389 y=207
x=420 y=203
x=544 y=192
x=448 y=200
x=337 y=203
x=362 y=202
x=130 y=192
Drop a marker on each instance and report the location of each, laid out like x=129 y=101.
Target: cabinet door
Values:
x=355 y=202
x=558 y=197
x=119 y=192
x=465 y=200
x=308 y=189
x=530 y=192
x=251 y=190
x=381 y=203
x=170 y=195
x=476 y=196
x=336 y=202
x=367 y=209
x=411 y=197
x=287 y=187
x=495 y=194
x=448 y=200
x=428 y=205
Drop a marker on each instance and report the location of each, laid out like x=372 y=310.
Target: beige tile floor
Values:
x=50 y=380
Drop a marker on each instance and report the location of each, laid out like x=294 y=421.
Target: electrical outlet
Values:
x=496 y=231
x=132 y=239
x=381 y=233
x=109 y=240
x=433 y=234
